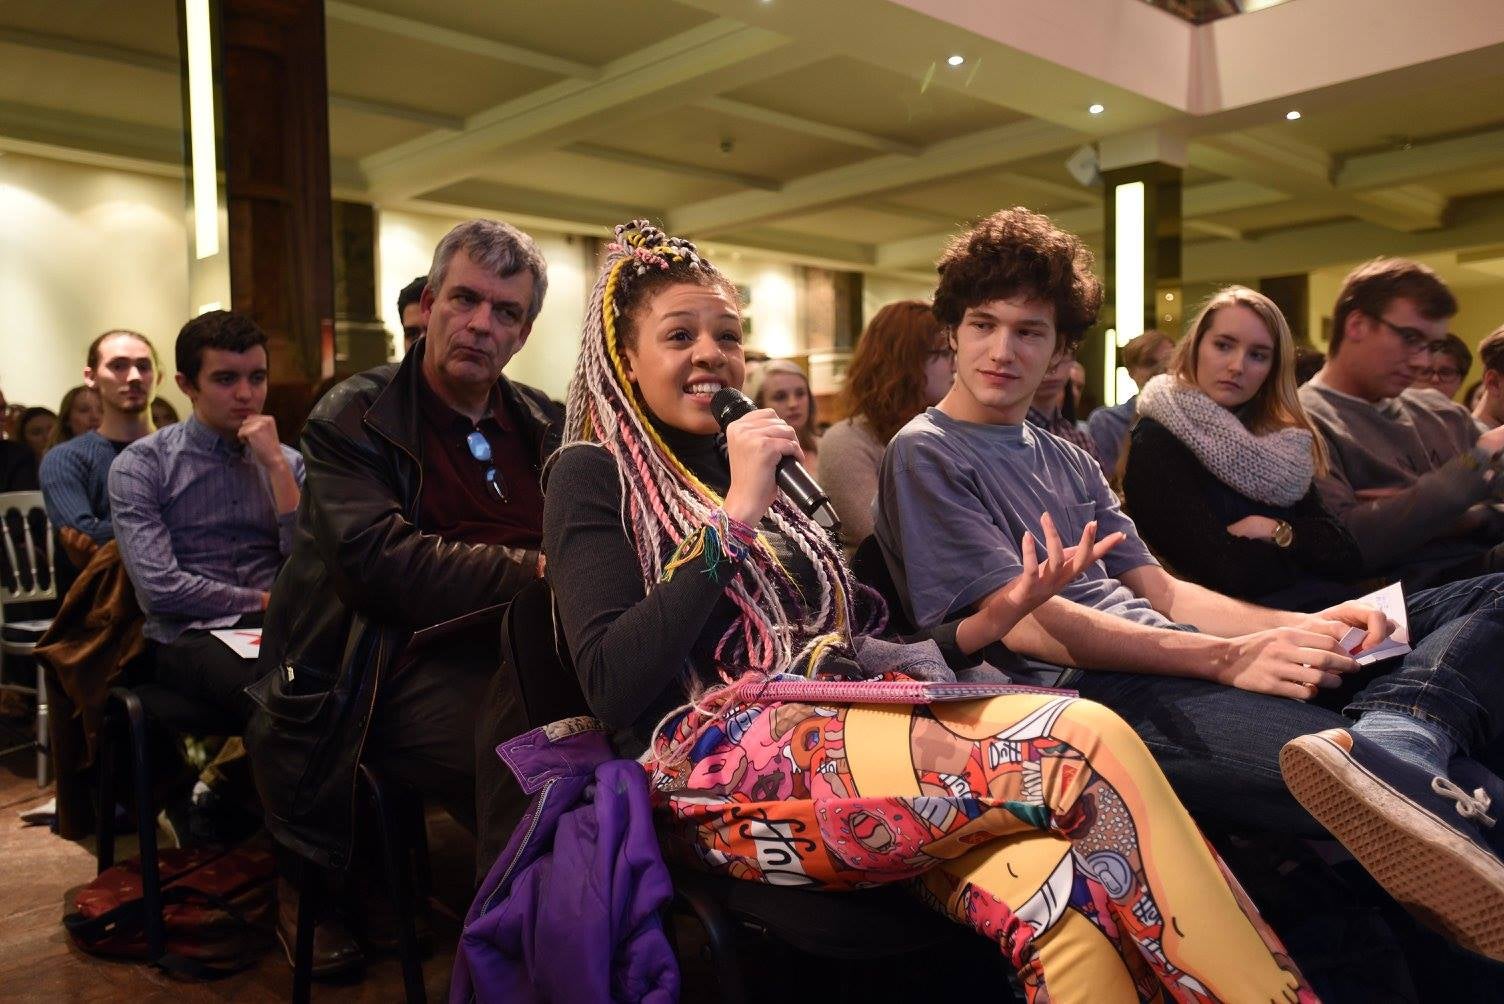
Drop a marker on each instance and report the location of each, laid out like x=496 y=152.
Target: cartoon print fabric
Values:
x=843 y=798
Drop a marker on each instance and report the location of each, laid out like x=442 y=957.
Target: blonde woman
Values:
x=1220 y=475
x=1219 y=480
x=784 y=387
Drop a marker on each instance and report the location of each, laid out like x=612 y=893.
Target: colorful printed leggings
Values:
x=1039 y=820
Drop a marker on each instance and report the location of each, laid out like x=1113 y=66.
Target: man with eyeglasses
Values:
x=1448 y=366
x=422 y=519
x=1410 y=475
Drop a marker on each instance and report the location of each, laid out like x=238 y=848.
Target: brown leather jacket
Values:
x=361 y=579
x=92 y=643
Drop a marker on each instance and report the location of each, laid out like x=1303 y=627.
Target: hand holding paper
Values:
x=1391 y=602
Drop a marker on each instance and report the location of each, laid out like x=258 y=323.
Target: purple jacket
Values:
x=570 y=910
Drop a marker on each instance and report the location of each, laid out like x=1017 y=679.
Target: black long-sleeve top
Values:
x=1182 y=511
x=632 y=647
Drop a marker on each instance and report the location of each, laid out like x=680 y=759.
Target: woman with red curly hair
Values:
x=903 y=365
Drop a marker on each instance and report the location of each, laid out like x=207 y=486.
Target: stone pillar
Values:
x=1141 y=175
x=276 y=162
x=830 y=320
x=360 y=339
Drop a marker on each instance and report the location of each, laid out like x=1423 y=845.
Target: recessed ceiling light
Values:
x=1096 y=109
x=1292 y=115
x=956 y=60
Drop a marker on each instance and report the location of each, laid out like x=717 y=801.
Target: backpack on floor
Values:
x=218 y=908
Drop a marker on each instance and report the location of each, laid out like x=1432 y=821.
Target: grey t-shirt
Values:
x=955 y=499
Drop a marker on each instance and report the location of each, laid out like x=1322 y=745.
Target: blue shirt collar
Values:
x=205 y=438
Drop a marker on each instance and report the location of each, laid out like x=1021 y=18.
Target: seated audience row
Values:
x=1060 y=827
x=1248 y=689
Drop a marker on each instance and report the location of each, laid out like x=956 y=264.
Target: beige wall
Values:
x=82 y=250
x=880 y=290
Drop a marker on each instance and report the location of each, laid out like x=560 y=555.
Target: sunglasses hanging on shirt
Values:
x=480 y=449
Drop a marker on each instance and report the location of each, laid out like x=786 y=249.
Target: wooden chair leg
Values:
x=44 y=742
x=390 y=825
x=310 y=900
x=104 y=823
x=146 y=824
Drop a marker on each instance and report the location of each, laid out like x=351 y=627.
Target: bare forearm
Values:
x=1215 y=614
x=1069 y=634
x=1207 y=611
x=976 y=631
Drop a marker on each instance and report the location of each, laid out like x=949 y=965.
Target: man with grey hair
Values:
x=421 y=517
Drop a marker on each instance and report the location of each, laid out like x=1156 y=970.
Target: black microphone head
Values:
x=729 y=404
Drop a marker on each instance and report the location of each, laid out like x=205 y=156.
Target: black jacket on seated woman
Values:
x=1182 y=511
x=1221 y=465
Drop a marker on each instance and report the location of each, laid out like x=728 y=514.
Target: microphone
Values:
x=727 y=406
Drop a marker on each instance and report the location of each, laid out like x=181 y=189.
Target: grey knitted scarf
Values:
x=1275 y=467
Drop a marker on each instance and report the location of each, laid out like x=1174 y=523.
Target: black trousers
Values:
x=200 y=666
x=438 y=720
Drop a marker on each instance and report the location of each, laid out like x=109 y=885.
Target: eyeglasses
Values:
x=1440 y=373
x=480 y=449
x=1415 y=339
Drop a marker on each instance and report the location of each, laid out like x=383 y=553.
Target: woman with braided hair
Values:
x=684 y=582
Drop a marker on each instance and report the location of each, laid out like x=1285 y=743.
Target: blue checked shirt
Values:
x=197 y=527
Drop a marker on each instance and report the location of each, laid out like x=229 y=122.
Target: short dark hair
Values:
x=1016 y=251
x=1308 y=363
x=1456 y=349
x=1374 y=285
x=411 y=293
x=1139 y=348
x=96 y=343
x=215 y=329
x=1491 y=350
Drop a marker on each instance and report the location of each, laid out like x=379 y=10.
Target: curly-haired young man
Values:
x=1216 y=687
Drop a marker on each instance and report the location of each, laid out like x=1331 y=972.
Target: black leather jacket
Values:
x=360 y=580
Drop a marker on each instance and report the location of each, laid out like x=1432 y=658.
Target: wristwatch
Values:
x=1284 y=533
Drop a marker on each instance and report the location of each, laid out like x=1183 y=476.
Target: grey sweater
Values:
x=850 y=457
x=1418 y=442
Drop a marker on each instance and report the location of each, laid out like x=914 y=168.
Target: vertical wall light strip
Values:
x=201 y=128
x=1128 y=278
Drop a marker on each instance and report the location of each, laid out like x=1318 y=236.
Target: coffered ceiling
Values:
x=836 y=132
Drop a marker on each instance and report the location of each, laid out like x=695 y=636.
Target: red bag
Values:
x=218 y=907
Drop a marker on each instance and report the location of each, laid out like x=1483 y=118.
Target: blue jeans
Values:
x=1219 y=746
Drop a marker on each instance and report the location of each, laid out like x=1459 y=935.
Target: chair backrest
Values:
x=533 y=645
x=27 y=549
x=871 y=569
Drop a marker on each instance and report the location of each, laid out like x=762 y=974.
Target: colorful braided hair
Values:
x=668 y=512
